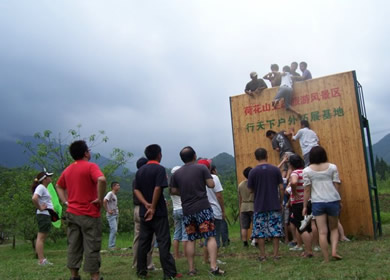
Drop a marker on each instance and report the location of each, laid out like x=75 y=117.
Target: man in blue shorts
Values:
x=190 y=183
x=265 y=181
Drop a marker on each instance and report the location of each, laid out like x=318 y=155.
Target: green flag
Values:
x=56 y=204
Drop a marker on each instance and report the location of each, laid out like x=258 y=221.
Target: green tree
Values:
x=52 y=152
x=381 y=168
x=17 y=211
x=18 y=218
x=230 y=195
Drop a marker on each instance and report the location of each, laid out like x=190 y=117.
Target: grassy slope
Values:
x=362 y=260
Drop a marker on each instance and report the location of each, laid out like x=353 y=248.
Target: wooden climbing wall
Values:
x=330 y=105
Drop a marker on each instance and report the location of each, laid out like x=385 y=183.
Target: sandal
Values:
x=276 y=258
x=262 y=259
x=217 y=272
x=193 y=272
x=307 y=256
x=337 y=257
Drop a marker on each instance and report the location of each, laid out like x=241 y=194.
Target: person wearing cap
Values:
x=190 y=183
x=82 y=187
x=42 y=201
x=255 y=85
x=137 y=225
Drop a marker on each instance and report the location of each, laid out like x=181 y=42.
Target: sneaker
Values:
x=292 y=244
x=305 y=222
x=45 y=262
x=154 y=268
x=317 y=249
x=220 y=262
x=296 y=248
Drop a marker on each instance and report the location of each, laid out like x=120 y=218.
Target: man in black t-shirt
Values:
x=255 y=85
x=151 y=179
x=190 y=183
x=137 y=224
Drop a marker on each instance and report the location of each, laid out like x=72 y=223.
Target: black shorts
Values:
x=297 y=213
x=44 y=223
x=246 y=219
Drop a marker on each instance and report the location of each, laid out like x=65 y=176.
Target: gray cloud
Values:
x=163 y=72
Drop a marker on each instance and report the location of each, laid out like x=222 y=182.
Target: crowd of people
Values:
x=198 y=211
x=282 y=80
x=298 y=198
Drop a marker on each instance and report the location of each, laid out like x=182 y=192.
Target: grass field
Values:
x=363 y=259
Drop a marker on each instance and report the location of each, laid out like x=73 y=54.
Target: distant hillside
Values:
x=225 y=163
x=13 y=155
x=381 y=149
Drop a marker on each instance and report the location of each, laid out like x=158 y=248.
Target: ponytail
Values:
x=36 y=182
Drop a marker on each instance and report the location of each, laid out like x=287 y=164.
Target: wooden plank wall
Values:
x=329 y=104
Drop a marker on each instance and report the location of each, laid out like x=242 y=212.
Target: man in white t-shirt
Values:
x=110 y=203
x=215 y=198
x=180 y=234
x=307 y=140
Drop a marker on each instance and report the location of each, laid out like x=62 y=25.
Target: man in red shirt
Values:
x=82 y=187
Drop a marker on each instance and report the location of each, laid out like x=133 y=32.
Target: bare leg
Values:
x=334 y=235
x=176 y=249
x=298 y=236
x=275 y=242
x=74 y=272
x=342 y=236
x=95 y=276
x=190 y=252
x=292 y=229
x=261 y=242
x=212 y=250
x=184 y=247
x=306 y=237
x=294 y=111
x=244 y=235
x=205 y=255
x=314 y=233
x=323 y=233
x=40 y=243
x=286 y=233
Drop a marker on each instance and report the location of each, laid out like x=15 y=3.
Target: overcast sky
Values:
x=162 y=71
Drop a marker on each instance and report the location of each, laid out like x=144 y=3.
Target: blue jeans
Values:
x=225 y=233
x=180 y=230
x=113 y=223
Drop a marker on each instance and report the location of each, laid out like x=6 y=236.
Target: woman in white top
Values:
x=321 y=182
x=42 y=201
